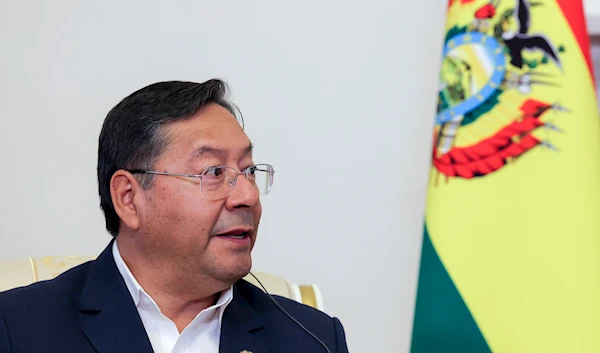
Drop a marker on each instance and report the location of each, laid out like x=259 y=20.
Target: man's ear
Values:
x=123 y=189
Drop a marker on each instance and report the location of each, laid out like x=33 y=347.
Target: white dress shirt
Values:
x=201 y=335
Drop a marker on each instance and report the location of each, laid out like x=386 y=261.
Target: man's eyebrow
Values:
x=250 y=148
x=205 y=149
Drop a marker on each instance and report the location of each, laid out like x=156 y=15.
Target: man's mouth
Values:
x=236 y=234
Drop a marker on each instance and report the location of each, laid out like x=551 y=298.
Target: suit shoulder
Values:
x=283 y=314
x=294 y=307
x=41 y=293
x=260 y=300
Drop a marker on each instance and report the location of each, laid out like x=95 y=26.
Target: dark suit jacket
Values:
x=88 y=309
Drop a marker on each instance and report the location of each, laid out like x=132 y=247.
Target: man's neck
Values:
x=179 y=302
x=181 y=311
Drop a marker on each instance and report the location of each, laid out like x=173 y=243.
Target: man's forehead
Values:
x=211 y=131
x=221 y=151
x=210 y=122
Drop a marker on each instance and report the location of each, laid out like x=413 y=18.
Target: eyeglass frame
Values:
x=199 y=176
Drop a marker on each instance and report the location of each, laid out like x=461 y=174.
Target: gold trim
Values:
x=308 y=295
x=34 y=270
x=49 y=261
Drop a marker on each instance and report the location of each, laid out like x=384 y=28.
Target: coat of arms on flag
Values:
x=488 y=110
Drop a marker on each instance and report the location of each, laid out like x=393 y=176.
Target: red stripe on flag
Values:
x=462 y=2
x=573 y=11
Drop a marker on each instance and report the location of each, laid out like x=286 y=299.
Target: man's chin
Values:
x=234 y=272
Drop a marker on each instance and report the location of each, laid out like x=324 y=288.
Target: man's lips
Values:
x=236 y=233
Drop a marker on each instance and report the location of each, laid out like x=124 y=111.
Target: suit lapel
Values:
x=241 y=327
x=107 y=313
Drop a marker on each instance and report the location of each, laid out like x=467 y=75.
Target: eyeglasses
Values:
x=218 y=182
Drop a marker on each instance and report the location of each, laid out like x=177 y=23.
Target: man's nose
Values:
x=244 y=194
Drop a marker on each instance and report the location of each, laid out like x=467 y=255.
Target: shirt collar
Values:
x=132 y=284
x=136 y=290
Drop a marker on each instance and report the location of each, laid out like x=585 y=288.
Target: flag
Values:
x=510 y=260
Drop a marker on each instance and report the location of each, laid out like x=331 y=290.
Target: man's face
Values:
x=182 y=228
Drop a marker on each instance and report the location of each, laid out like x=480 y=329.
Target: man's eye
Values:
x=213 y=172
x=252 y=170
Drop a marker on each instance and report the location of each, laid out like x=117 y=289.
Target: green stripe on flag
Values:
x=443 y=323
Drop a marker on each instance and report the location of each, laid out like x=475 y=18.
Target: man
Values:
x=181 y=196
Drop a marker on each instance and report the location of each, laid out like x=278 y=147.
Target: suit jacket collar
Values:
x=108 y=315
x=241 y=327
x=111 y=322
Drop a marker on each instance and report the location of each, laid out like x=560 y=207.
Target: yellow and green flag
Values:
x=511 y=251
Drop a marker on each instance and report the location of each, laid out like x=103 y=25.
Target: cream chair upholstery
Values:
x=22 y=272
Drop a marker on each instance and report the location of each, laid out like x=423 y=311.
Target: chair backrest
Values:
x=25 y=271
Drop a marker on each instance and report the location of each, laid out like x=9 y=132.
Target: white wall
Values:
x=592 y=13
x=592 y=7
x=338 y=96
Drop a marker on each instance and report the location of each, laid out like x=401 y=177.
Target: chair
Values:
x=25 y=271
